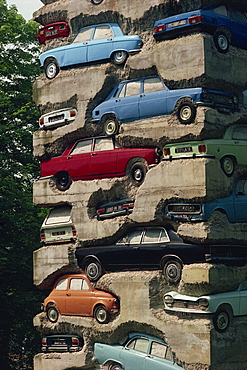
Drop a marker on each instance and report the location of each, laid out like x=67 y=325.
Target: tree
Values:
x=19 y=218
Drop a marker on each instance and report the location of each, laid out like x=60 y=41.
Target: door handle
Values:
x=110 y=39
x=117 y=100
x=93 y=154
x=69 y=157
x=68 y=294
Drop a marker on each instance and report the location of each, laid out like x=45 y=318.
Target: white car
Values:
x=57 y=118
x=222 y=305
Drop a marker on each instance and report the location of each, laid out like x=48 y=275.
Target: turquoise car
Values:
x=140 y=352
x=231 y=150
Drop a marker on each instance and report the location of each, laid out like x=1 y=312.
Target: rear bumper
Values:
x=171 y=158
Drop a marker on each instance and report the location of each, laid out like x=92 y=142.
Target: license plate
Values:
x=56 y=118
x=186 y=149
x=59 y=343
x=55 y=233
x=51 y=33
x=177 y=23
x=109 y=209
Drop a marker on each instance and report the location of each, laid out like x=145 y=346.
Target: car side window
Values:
x=102 y=32
x=164 y=236
x=130 y=89
x=239 y=133
x=241 y=188
x=83 y=35
x=160 y=350
x=83 y=146
x=103 y=144
x=221 y=10
x=78 y=284
x=244 y=285
x=237 y=16
x=152 y=84
x=62 y=284
x=139 y=344
x=151 y=235
x=133 y=237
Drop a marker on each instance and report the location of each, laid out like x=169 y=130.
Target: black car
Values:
x=62 y=343
x=115 y=208
x=151 y=247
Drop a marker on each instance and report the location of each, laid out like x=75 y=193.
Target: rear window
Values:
x=58 y=215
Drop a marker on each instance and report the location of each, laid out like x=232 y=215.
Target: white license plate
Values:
x=177 y=23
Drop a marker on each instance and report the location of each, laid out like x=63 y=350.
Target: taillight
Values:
x=72 y=113
x=44 y=341
x=167 y=151
x=202 y=148
x=140 y=45
x=127 y=205
x=42 y=235
x=101 y=210
x=73 y=231
x=161 y=27
x=75 y=341
x=41 y=121
x=195 y=19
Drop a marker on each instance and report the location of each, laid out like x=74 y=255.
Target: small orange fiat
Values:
x=74 y=295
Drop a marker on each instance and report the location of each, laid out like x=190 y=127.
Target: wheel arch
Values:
x=227 y=306
x=183 y=99
x=225 y=29
x=111 y=361
x=116 y=50
x=168 y=257
x=88 y=258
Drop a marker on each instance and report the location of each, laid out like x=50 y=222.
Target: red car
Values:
x=52 y=31
x=97 y=158
x=74 y=295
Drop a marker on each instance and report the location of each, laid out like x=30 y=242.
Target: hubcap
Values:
x=52 y=314
x=222 y=321
x=185 y=113
x=101 y=315
x=110 y=128
x=222 y=41
x=228 y=166
x=172 y=271
x=138 y=174
x=119 y=56
x=92 y=270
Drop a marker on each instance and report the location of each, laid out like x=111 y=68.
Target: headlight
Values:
x=203 y=303
x=168 y=299
x=235 y=99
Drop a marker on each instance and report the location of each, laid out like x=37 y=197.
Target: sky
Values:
x=26 y=7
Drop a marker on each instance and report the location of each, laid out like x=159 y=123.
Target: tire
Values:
x=52 y=313
x=111 y=125
x=136 y=171
x=51 y=68
x=172 y=271
x=96 y=2
x=119 y=57
x=115 y=366
x=101 y=314
x=63 y=180
x=222 y=319
x=221 y=41
x=93 y=270
x=186 y=112
x=228 y=165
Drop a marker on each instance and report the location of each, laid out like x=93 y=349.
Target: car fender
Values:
x=168 y=257
x=112 y=112
x=90 y=256
x=43 y=57
x=233 y=305
x=51 y=303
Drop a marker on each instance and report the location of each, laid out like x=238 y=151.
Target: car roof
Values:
x=148 y=336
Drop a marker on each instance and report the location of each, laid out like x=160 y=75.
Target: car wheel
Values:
x=52 y=313
x=222 y=319
x=96 y=2
x=101 y=314
x=51 y=68
x=228 y=165
x=136 y=170
x=172 y=271
x=221 y=41
x=186 y=112
x=111 y=125
x=93 y=270
x=119 y=57
x=115 y=366
x=63 y=180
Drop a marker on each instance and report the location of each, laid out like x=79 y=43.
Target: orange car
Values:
x=74 y=295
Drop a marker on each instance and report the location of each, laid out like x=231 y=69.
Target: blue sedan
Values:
x=226 y=24
x=98 y=42
x=149 y=97
x=140 y=352
x=234 y=206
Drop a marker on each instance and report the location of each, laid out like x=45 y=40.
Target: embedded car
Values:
x=52 y=31
x=140 y=351
x=228 y=25
x=58 y=226
x=223 y=306
x=97 y=158
x=57 y=118
x=234 y=206
x=115 y=208
x=99 y=42
x=73 y=295
x=61 y=343
x=149 y=97
x=150 y=247
x=231 y=150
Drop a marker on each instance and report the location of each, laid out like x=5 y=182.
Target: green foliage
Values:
x=19 y=219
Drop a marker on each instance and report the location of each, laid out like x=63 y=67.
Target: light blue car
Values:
x=149 y=97
x=93 y=43
x=141 y=352
x=234 y=206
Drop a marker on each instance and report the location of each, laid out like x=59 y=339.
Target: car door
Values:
x=128 y=250
x=238 y=27
x=134 y=354
x=153 y=100
x=240 y=200
x=103 y=159
x=100 y=46
x=238 y=144
x=78 y=162
x=58 y=295
x=243 y=298
x=78 y=297
x=77 y=51
x=159 y=358
x=126 y=104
